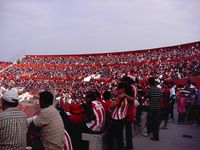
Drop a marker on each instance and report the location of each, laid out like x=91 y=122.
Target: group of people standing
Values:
x=108 y=112
x=60 y=125
x=14 y=125
x=162 y=100
x=111 y=111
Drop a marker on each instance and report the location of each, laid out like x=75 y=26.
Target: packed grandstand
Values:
x=74 y=78
x=78 y=73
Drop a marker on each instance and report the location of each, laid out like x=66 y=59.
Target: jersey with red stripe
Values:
x=97 y=124
x=68 y=143
x=120 y=112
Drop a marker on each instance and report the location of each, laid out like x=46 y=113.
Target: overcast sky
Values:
x=90 y=26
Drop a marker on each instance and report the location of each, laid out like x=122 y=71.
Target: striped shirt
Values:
x=120 y=112
x=13 y=129
x=52 y=132
x=68 y=142
x=154 y=94
x=98 y=123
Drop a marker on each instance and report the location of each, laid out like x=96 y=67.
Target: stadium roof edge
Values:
x=5 y=62
x=120 y=52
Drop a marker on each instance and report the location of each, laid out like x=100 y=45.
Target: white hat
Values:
x=11 y=96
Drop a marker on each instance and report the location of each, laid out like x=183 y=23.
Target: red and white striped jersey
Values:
x=68 y=143
x=120 y=112
x=98 y=123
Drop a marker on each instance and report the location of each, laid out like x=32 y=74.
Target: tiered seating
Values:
x=4 y=64
x=174 y=52
x=66 y=72
x=168 y=69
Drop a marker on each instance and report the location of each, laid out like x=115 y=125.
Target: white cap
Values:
x=11 y=96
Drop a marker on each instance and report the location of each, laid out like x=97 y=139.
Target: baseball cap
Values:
x=11 y=96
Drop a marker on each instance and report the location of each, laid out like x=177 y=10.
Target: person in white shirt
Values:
x=173 y=98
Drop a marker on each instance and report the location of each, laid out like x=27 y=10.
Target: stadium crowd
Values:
x=4 y=64
x=109 y=101
x=160 y=69
x=95 y=111
x=71 y=79
x=116 y=58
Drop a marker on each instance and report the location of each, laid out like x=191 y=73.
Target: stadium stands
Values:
x=67 y=72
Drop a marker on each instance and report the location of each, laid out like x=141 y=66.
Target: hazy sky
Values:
x=90 y=26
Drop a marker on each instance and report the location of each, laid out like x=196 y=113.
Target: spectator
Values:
x=181 y=107
x=131 y=92
x=140 y=107
x=198 y=107
x=50 y=122
x=106 y=103
x=172 y=100
x=95 y=113
x=13 y=127
x=94 y=122
x=187 y=91
x=165 y=104
x=154 y=94
x=120 y=107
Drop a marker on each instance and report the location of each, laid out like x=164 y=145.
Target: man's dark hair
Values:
x=91 y=95
x=127 y=87
x=127 y=80
x=97 y=94
x=151 y=81
x=106 y=95
x=47 y=97
x=122 y=85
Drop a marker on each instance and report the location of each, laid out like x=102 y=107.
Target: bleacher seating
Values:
x=66 y=72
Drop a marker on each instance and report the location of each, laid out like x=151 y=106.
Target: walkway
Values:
x=171 y=139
